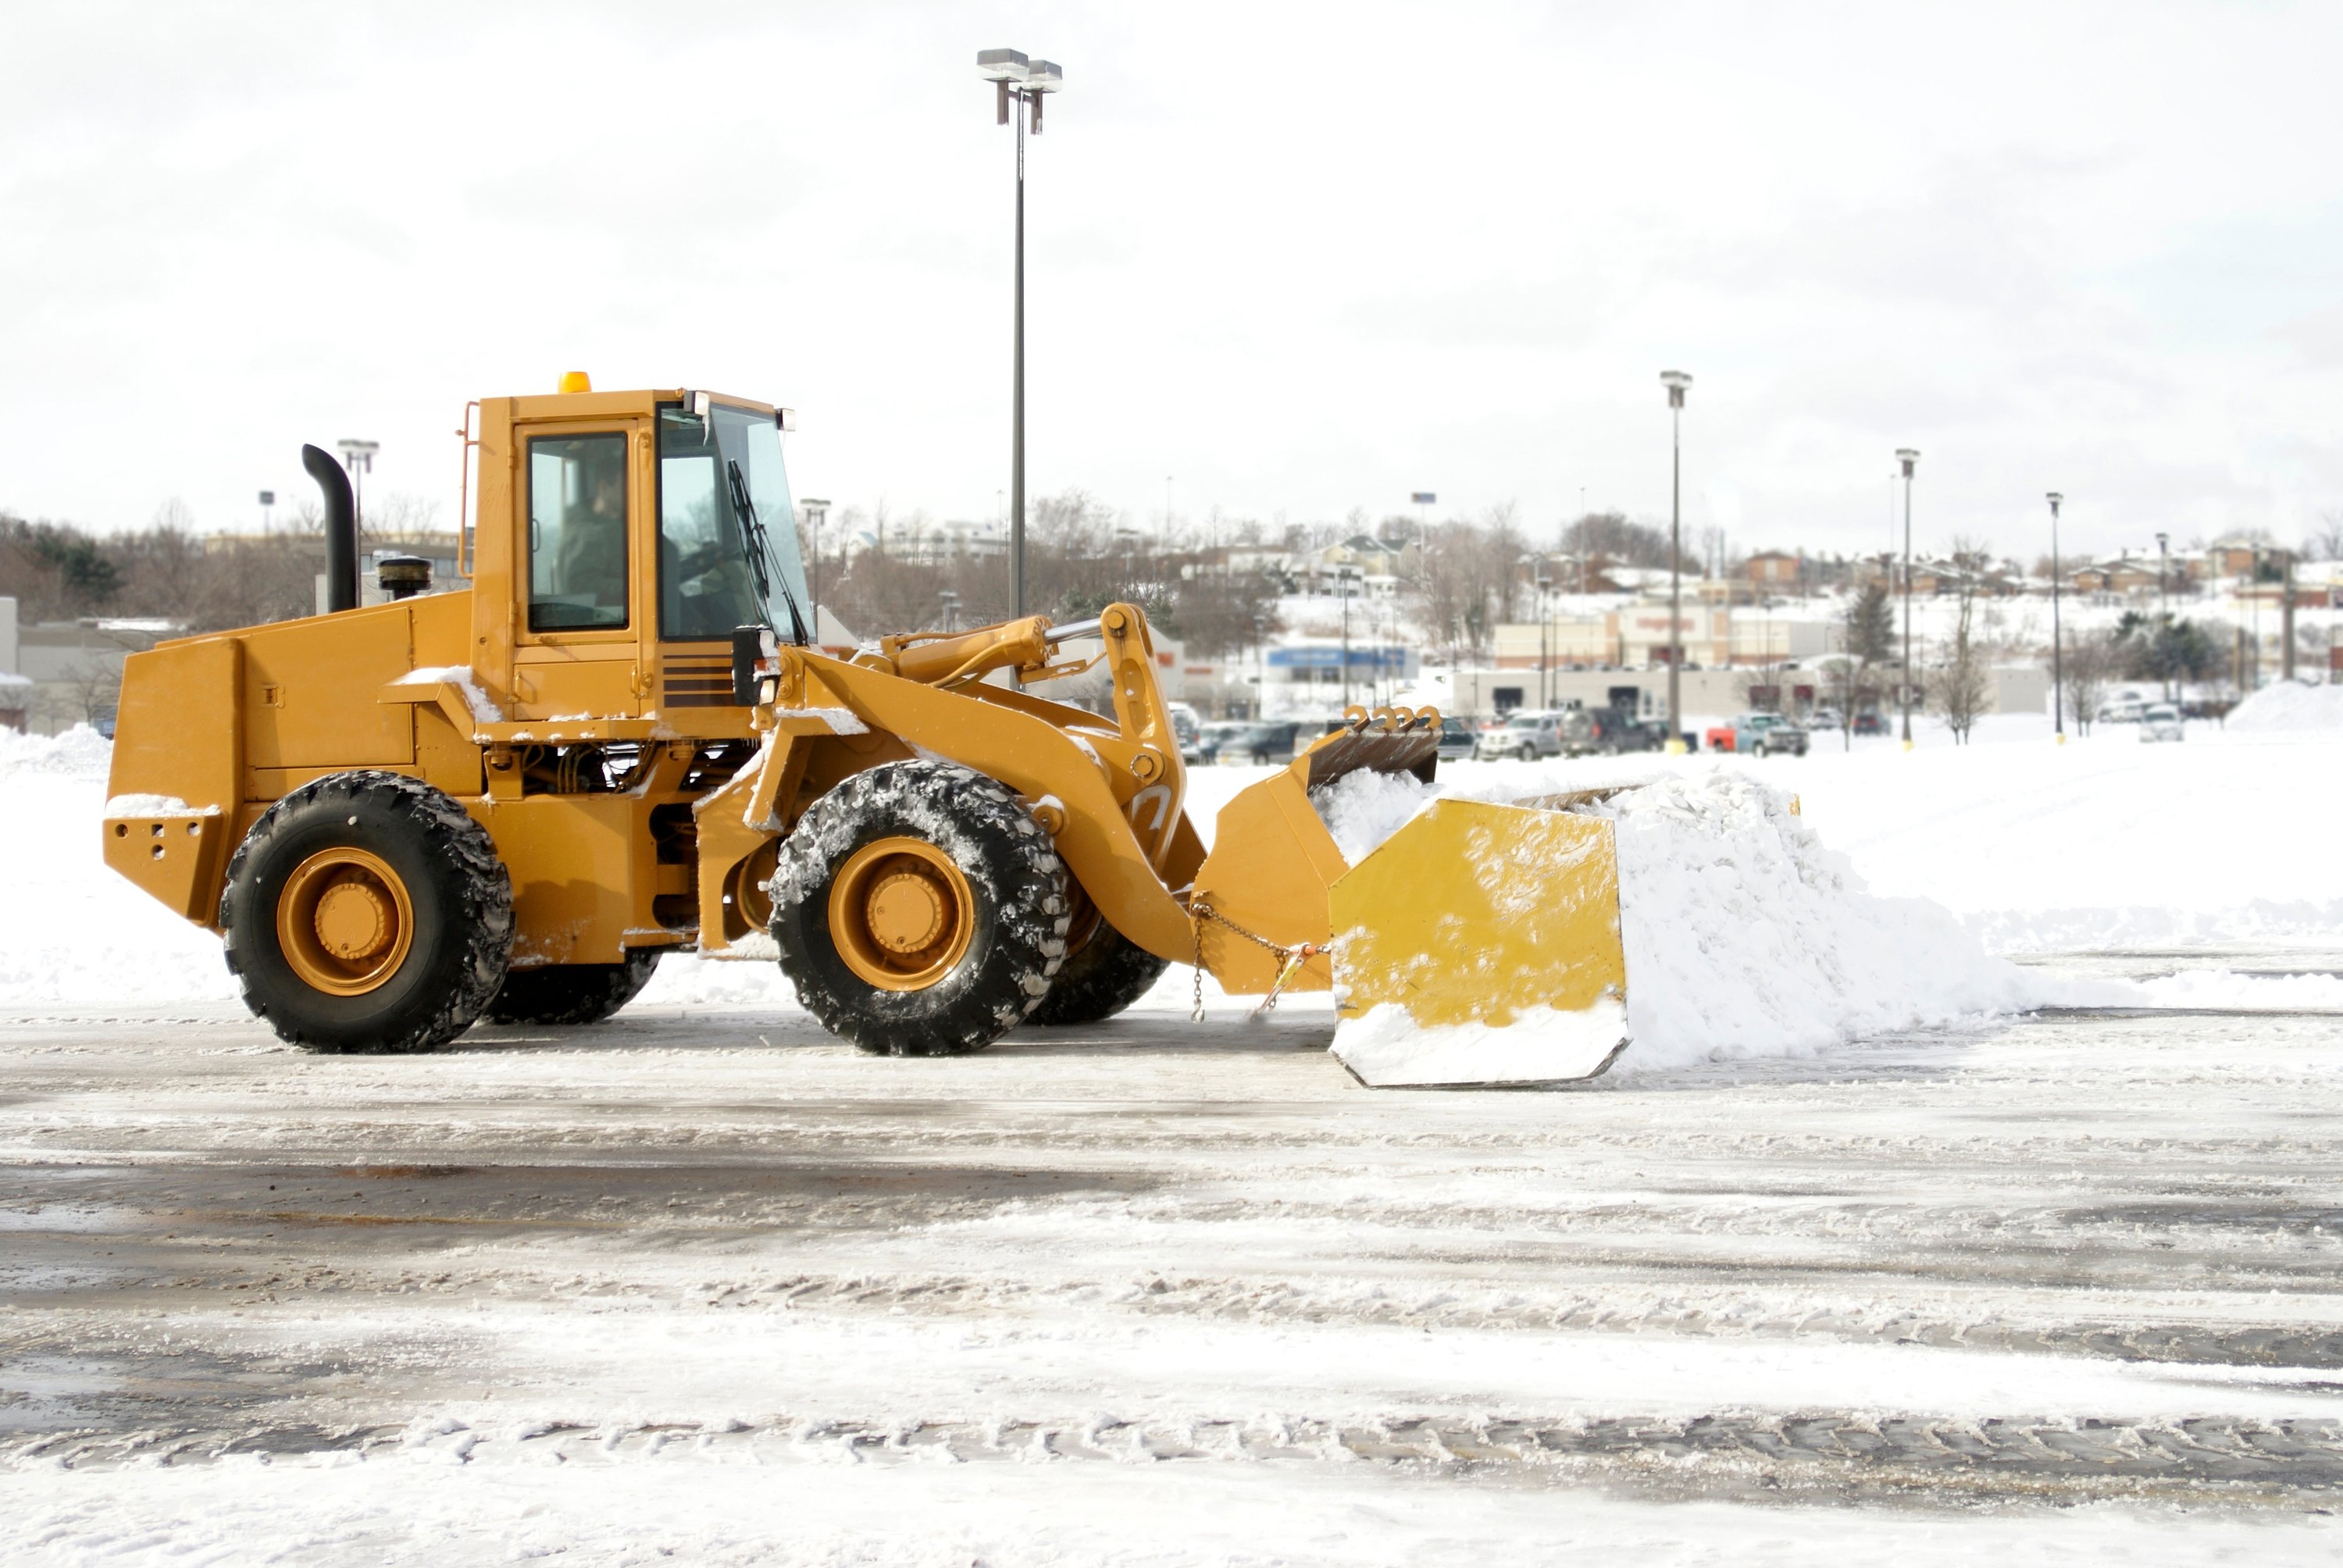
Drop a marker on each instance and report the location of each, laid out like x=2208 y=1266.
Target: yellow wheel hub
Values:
x=344 y=922
x=900 y=914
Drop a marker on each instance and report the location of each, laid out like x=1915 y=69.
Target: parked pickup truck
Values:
x=1757 y=735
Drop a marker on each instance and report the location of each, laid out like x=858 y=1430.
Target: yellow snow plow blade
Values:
x=1480 y=944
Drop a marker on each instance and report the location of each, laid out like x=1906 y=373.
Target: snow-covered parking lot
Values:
x=700 y=1284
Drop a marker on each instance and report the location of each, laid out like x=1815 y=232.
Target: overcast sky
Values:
x=1297 y=258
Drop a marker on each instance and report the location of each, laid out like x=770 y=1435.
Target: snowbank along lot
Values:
x=1811 y=1278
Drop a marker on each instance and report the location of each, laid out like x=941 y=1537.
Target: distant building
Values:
x=75 y=667
x=1370 y=556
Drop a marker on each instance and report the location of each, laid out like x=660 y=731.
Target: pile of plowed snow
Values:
x=71 y=931
x=1743 y=935
x=2289 y=705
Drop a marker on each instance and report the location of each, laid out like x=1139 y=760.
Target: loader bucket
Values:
x=1479 y=945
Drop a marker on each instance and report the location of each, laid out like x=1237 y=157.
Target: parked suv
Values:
x=1526 y=736
x=2161 y=721
x=1271 y=742
x=1608 y=731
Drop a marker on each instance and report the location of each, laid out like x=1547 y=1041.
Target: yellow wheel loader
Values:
x=510 y=802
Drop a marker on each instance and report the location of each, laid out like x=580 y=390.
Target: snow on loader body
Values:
x=621 y=740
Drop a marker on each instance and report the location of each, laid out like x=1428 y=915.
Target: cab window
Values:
x=577 y=532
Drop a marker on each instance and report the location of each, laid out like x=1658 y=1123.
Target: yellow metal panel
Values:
x=1474 y=913
x=179 y=728
x=442 y=623
x=572 y=861
x=1271 y=864
x=308 y=690
x=175 y=859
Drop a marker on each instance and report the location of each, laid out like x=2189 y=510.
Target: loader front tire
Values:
x=365 y=913
x=1105 y=975
x=920 y=910
x=569 y=994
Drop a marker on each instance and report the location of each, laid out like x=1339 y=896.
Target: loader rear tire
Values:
x=567 y=994
x=920 y=910
x=365 y=913
x=1105 y=975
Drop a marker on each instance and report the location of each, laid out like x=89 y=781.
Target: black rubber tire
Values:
x=462 y=901
x=1103 y=976
x=567 y=994
x=1019 y=940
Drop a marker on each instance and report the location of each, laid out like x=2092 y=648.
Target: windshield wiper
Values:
x=757 y=546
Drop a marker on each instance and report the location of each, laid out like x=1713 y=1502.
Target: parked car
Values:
x=1210 y=737
x=1261 y=743
x=2160 y=721
x=2122 y=710
x=1455 y=738
x=1758 y=735
x=1870 y=724
x=1188 y=730
x=1825 y=719
x=1526 y=736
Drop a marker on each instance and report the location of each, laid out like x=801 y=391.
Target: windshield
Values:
x=709 y=574
x=1527 y=721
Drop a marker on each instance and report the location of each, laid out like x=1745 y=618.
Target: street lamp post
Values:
x=817 y=512
x=1022 y=84
x=1675 y=381
x=1342 y=579
x=2254 y=592
x=2163 y=613
x=357 y=456
x=267 y=500
x=1546 y=647
x=2057 y=645
x=1907 y=457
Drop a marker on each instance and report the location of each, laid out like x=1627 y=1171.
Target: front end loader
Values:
x=509 y=801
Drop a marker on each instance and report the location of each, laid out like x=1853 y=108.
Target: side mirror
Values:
x=749 y=644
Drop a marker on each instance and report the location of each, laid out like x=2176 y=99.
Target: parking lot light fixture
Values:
x=1677 y=382
x=2058 y=648
x=1908 y=458
x=1023 y=83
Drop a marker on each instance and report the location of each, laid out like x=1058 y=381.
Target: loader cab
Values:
x=621 y=539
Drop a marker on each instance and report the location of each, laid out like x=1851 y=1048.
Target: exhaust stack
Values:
x=341 y=529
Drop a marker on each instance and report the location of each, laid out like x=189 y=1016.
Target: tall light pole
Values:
x=1545 y=645
x=1342 y=579
x=1022 y=83
x=357 y=456
x=1675 y=381
x=2163 y=612
x=1907 y=457
x=2057 y=645
x=2254 y=592
x=817 y=512
x=267 y=499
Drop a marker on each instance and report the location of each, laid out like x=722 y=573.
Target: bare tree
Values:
x=1611 y=534
x=2325 y=543
x=1867 y=634
x=1961 y=687
x=2089 y=661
